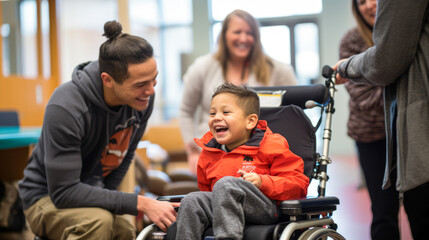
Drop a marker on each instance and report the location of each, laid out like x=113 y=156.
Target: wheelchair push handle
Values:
x=329 y=74
x=324 y=160
x=327 y=71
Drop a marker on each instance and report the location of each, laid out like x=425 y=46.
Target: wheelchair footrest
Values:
x=309 y=206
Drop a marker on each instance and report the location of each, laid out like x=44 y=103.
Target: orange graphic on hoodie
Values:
x=116 y=150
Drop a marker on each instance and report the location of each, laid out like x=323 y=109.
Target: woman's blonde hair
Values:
x=257 y=61
x=364 y=28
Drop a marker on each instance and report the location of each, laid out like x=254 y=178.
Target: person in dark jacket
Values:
x=91 y=127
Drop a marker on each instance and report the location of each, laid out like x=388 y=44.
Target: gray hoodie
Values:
x=85 y=147
x=399 y=62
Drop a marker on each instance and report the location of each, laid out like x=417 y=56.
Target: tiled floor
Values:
x=353 y=215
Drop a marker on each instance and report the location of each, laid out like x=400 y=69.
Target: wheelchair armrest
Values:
x=171 y=198
x=178 y=175
x=181 y=187
x=309 y=205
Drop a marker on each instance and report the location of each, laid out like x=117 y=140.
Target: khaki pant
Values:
x=76 y=223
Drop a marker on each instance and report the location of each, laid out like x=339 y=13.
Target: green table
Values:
x=16 y=144
x=14 y=137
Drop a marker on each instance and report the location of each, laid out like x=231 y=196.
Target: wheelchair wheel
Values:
x=146 y=233
x=319 y=233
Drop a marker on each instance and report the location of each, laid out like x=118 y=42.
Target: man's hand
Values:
x=161 y=213
x=339 y=79
x=254 y=178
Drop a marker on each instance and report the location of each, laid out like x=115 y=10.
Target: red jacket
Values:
x=266 y=153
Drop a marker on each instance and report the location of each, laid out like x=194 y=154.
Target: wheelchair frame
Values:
x=310 y=218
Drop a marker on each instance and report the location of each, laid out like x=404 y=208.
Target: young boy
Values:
x=243 y=171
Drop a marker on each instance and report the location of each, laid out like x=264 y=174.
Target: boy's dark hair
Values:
x=120 y=50
x=248 y=99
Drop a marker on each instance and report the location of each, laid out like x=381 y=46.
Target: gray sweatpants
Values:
x=232 y=203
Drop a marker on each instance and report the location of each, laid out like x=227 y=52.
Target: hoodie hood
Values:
x=86 y=77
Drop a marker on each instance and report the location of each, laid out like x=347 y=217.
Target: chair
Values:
x=165 y=178
x=175 y=165
x=309 y=218
x=9 y=119
x=159 y=183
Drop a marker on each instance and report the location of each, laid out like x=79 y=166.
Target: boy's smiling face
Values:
x=228 y=122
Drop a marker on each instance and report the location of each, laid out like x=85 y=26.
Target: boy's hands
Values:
x=161 y=213
x=254 y=178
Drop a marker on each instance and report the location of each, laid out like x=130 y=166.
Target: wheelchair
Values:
x=300 y=219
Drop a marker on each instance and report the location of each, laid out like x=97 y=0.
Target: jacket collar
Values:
x=208 y=142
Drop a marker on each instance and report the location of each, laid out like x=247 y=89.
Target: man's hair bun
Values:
x=112 y=29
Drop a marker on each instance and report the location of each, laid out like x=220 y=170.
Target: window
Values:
x=81 y=37
x=19 y=38
x=29 y=70
x=167 y=26
x=266 y=8
x=27 y=42
x=46 y=58
x=307 y=51
x=276 y=42
x=6 y=48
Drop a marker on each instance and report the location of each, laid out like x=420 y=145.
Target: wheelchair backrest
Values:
x=299 y=94
x=290 y=121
